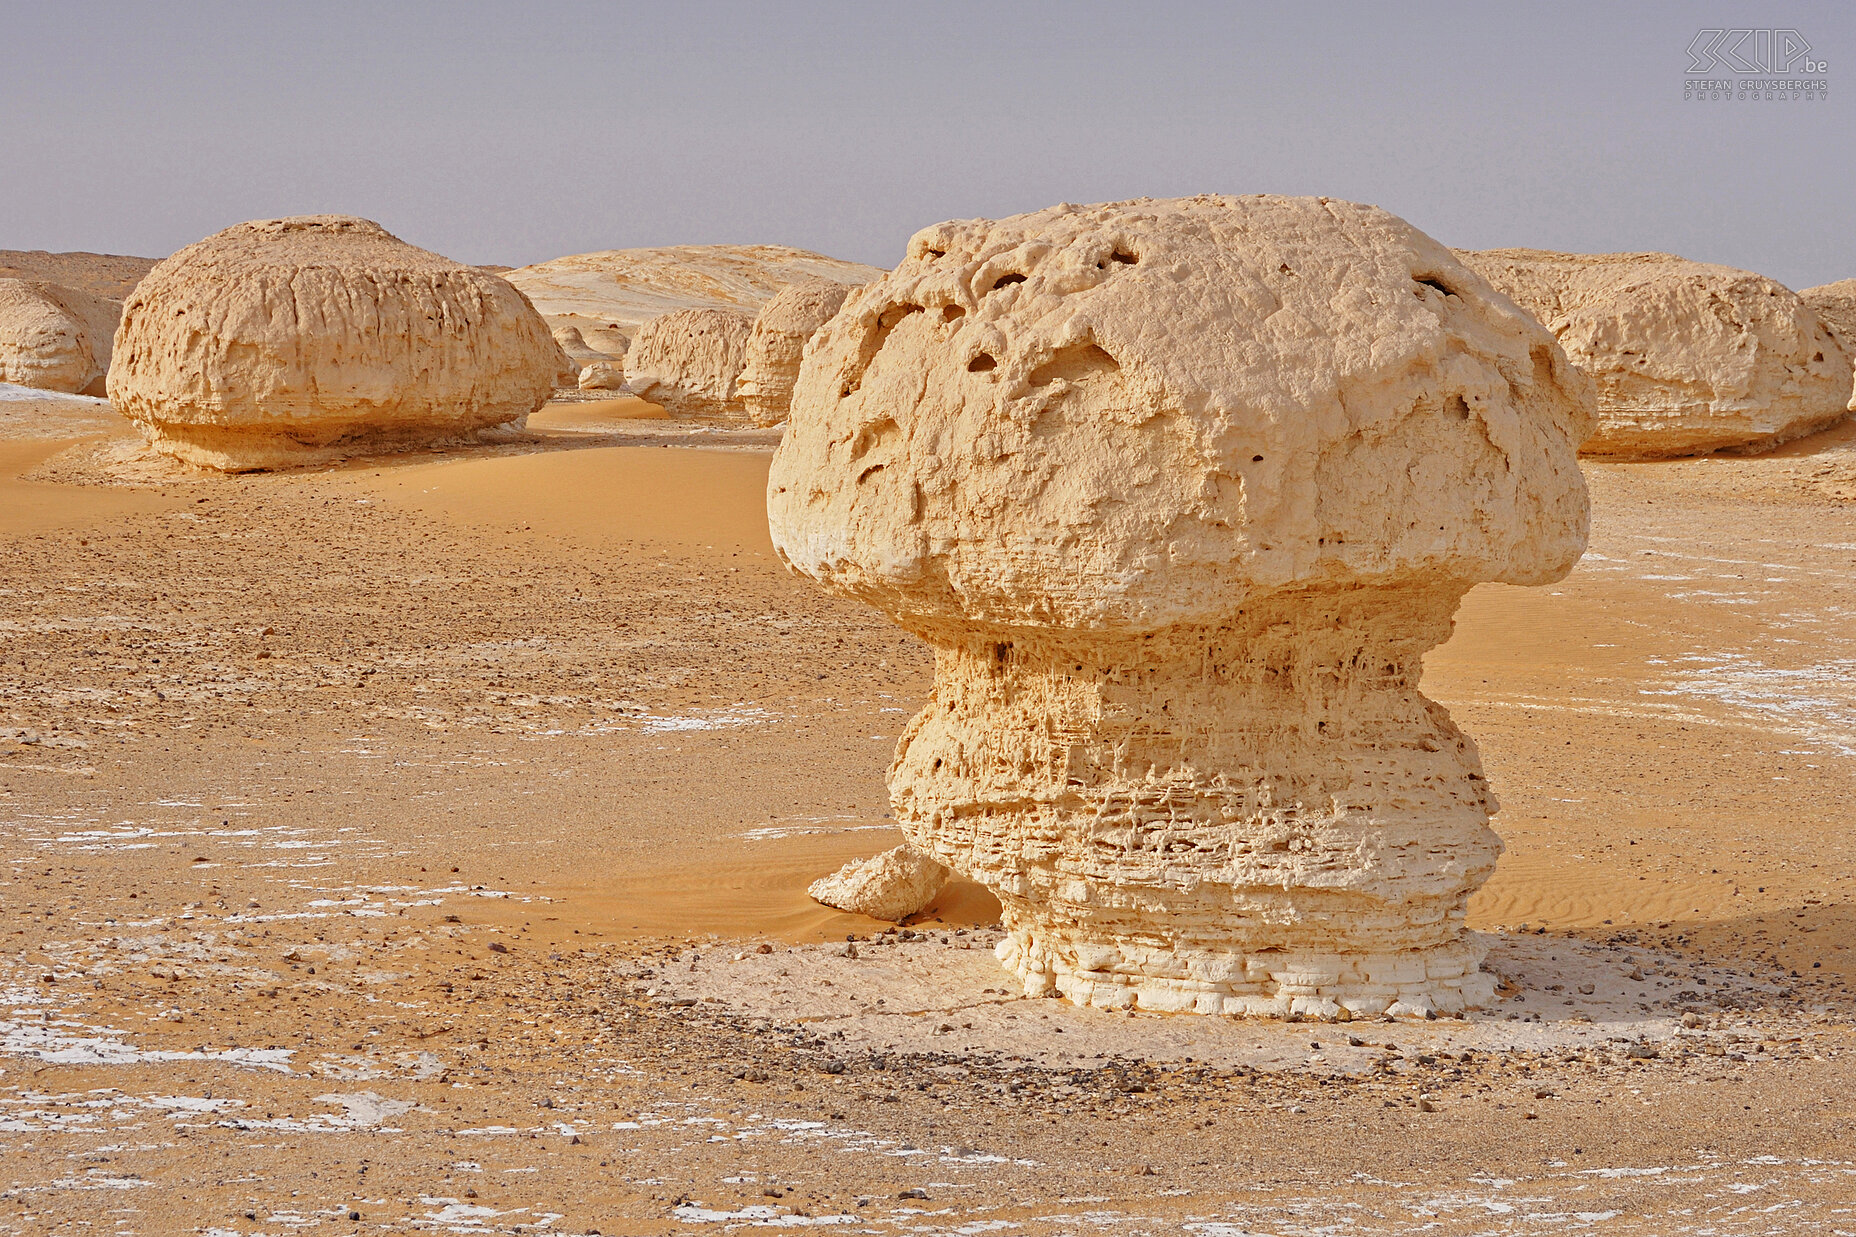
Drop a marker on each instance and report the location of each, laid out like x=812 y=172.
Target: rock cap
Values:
x=1138 y=414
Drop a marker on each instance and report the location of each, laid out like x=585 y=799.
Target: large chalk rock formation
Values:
x=1181 y=492
x=687 y=363
x=778 y=344
x=55 y=338
x=1689 y=357
x=293 y=341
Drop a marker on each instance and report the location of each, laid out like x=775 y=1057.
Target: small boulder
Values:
x=778 y=344
x=892 y=886
x=602 y=376
x=55 y=338
x=687 y=363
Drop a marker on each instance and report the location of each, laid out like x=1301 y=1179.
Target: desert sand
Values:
x=421 y=844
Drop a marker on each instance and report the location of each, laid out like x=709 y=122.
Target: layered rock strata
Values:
x=295 y=341
x=1689 y=357
x=1181 y=492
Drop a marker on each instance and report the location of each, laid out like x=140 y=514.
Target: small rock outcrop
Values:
x=294 y=341
x=602 y=376
x=55 y=338
x=1835 y=306
x=1688 y=357
x=1181 y=492
x=778 y=344
x=687 y=363
x=892 y=886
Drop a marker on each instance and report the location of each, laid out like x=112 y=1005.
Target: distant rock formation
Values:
x=1181 y=492
x=55 y=338
x=112 y=276
x=687 y=363
x=1835 y=306
x=574 y=345
x=892 y=886
x=609 y=295
x=778 y=344
x=602 y=376
x=1688 y=357
x=292 y=341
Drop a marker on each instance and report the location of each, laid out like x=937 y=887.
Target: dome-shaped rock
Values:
x=1181 y=492
x=778 y=344
x=1688 y=357
x=292 y=341
x=55 y=338
x=687 y=362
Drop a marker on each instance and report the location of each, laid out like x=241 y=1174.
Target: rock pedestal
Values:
x=1181 y=493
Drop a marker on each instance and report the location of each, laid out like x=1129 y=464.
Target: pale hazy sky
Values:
x=514 y=133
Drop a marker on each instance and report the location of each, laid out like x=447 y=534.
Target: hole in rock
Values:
x=870 y=472
x=1256 y=459
x=1431 y=281
x=1075 y=363
x=981 y=363
x=951 y=313
x=1006 y=281
x=936 y=253
x=1124 y=257
x=873 y=342
x=1459 y=407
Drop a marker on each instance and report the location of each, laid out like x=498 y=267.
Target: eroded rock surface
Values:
x=1688 y=357
x=1181 y=492
x=293 y=341
x=687 y=363
x=892 y=885
x=778 y=344
x=1835 y=306
x=55 y=338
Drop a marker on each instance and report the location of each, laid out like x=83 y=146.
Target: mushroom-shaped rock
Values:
x=602 y=376
x=778 y=344
x=687 y=362
x=892 y=886
x=1835 y=306
x=1688 y=357
x=1181 y=492
x=294 y=341
x=55 y=338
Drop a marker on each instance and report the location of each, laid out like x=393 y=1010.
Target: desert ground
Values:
x=420 y=845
